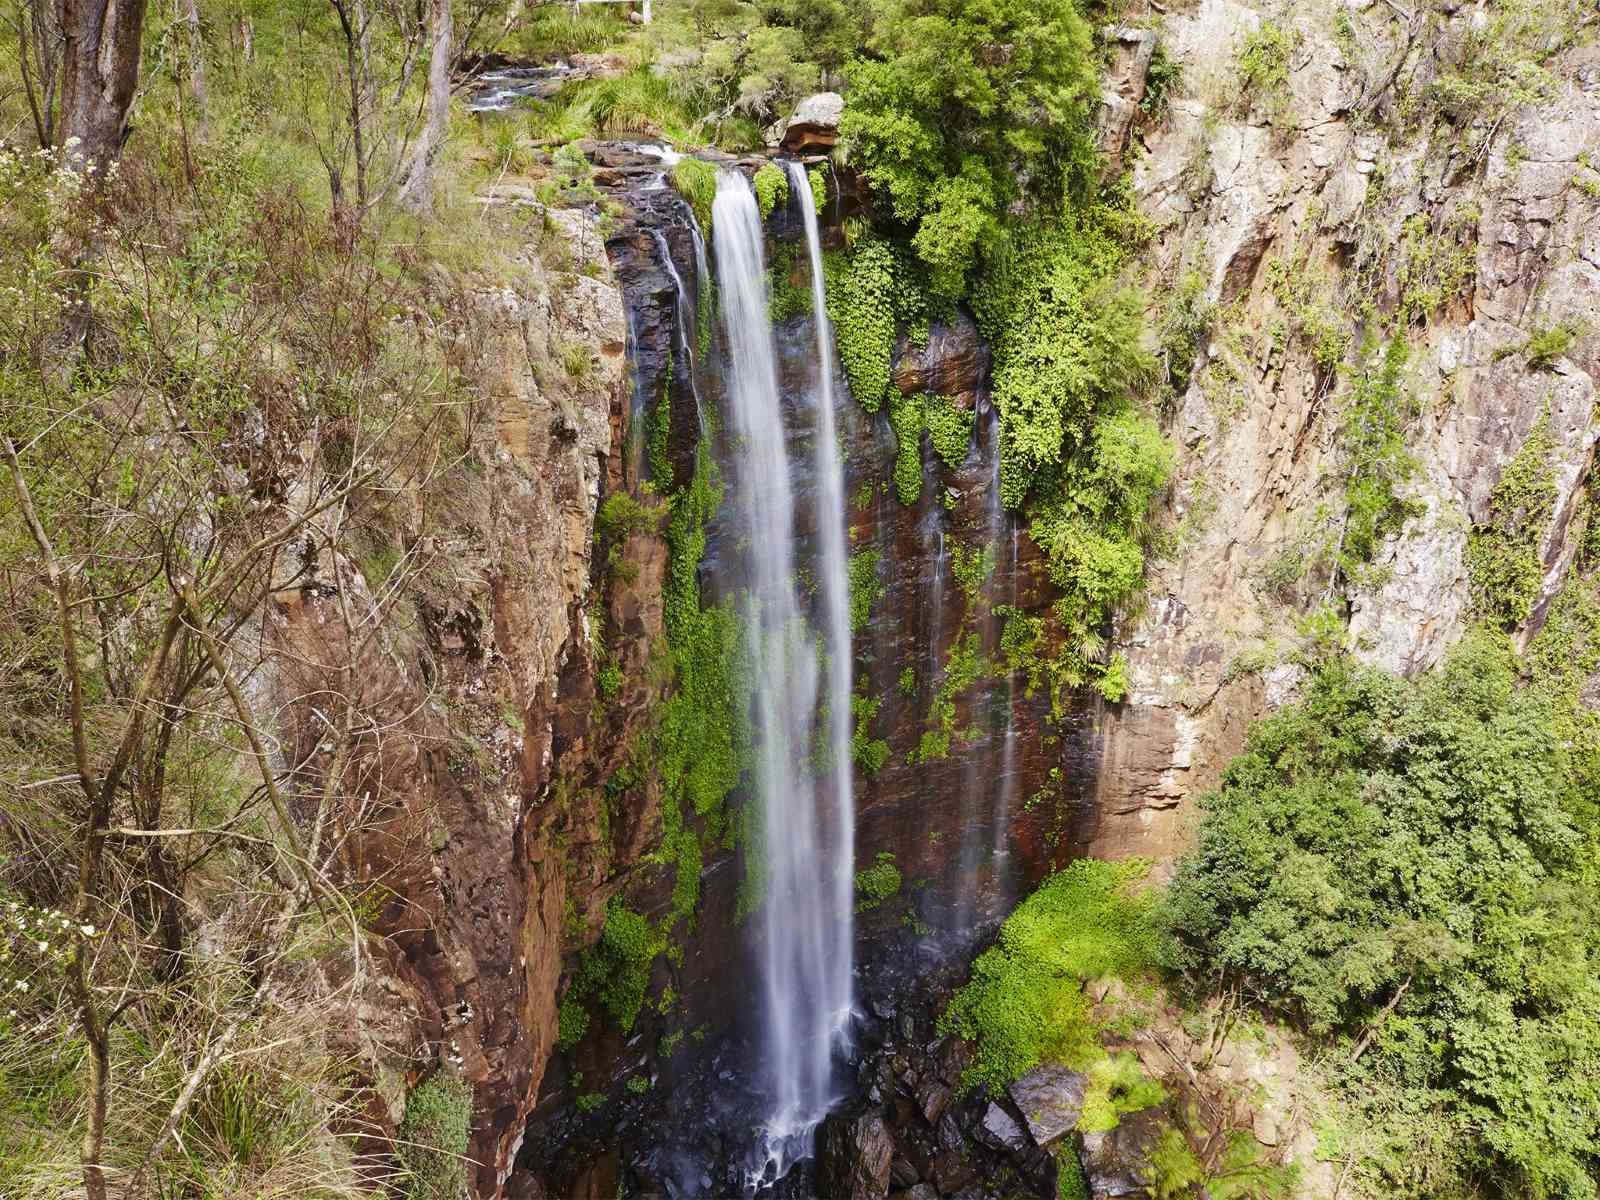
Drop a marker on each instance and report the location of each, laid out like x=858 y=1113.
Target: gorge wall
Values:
x=1279 y=205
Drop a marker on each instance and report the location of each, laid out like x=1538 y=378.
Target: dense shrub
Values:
x=1404 y=865
x=1025 y=1003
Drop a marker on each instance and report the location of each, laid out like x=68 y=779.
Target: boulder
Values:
x=1117 y=1162
x=1001 y=1131
x=1050 y=1099
x=813 y=126
x=855 y=1156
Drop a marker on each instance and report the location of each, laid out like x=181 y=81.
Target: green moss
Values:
x=907 y=683
x=867 y=752
x=818 y=179
x=1503 y=558
x=949 y=429
x=433 y=1138
x=772 y=188
x=696 y=181
x=866 y=589
x=589 y=1102
x=972 y=566
x=963 y=668
x=1025 y=1003
x=638 y=1085
x=906 y=416
x=877 y=883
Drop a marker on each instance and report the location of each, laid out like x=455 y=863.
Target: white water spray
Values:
x=807 y=828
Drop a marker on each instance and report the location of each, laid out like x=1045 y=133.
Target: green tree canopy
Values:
x=1402 y=864
x=964 y=107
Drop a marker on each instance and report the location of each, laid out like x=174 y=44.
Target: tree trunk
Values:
x=196 y=59
x=416 y=190
x=100 y=70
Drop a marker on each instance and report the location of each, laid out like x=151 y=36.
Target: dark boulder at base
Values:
x=1118 y=1162
x=854 y=1157
x=1001 y=1131
x=1050 y=1099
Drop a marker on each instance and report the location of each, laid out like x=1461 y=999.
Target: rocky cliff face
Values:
x=1292 y=208
x=472 y=672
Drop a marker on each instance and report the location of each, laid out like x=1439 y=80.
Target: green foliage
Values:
x=1435 y=265
x=621 y=516
x=1372 y=438
x=972 y=566
x=772 y=188
x=589 y=1102
x=867 y=752
x=964 y=666
x=871 y=292
x=696 y=181
x=1025 y=1002
x=949 y=428
x=1162 y=80
x=1503 y=559
x=433 y=1137
x=702 y=739
x=638 y=1085
x=1306 y=294
x=553 y=31
x=1112 y=682
x=616 y=969
x=818 y=179
x=1407 y=864
x=1263 y=67
x=1546 y=344
x=1117 y=1085
x=906 y=416
x=877 y=883
x=1503 y=63
x=1071 y=1182
x=957 y=104
x=572 y=1022
x=1241 y=1171
x=1185 y=324
x=907 y=683
x=1066 y=341
x=866 y=589
x=790 y=283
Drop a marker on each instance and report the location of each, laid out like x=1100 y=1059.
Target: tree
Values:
x=99 y=71
x=961 y=110
x=416 y=189
x=1405 y=867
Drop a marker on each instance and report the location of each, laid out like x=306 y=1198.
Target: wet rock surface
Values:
x=1050 y=1099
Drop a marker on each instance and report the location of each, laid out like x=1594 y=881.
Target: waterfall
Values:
x=806 y=829
x=687 y=319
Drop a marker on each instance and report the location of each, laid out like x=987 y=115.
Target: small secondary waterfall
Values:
x=688 y=317
x=806 y=828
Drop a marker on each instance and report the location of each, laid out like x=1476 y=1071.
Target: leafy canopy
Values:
x=963 y=106
x=1404 y=864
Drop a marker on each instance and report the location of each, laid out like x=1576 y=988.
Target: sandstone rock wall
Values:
x=467 y=677
x=1347 y=179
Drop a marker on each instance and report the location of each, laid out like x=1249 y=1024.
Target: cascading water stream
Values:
x=833 y=576
x=805 y=840
x=687 y=319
